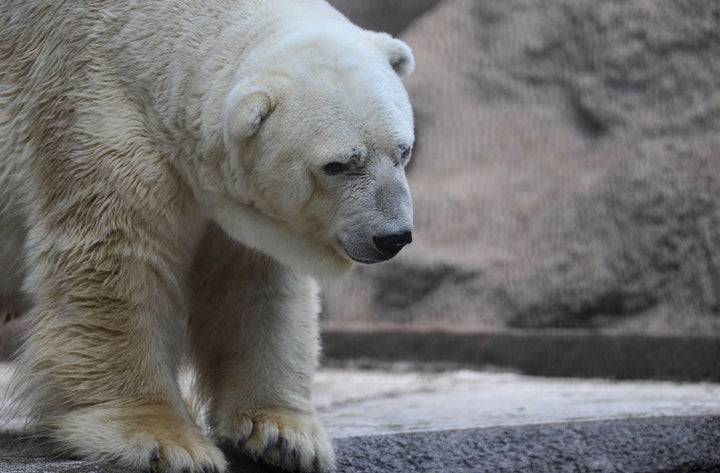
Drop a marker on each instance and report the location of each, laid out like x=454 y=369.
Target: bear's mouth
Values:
x=366 y=253
x=365 y=260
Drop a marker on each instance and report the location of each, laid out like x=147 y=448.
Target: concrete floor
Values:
x=366 y=402
x=400 y=419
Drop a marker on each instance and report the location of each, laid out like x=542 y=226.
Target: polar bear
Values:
x=173 y=176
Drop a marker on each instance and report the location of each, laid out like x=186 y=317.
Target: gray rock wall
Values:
x=566 y=170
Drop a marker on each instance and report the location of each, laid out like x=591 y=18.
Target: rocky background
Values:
x=566 y=172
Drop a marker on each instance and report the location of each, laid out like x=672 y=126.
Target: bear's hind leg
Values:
x=254 y=335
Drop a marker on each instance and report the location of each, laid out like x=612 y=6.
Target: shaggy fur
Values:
x=179 y=166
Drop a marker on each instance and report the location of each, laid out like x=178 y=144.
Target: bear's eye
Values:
x=405 y=151
x=335 y=168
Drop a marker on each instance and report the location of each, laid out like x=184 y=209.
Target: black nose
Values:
x=390 y=245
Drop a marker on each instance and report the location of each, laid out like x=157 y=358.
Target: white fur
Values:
x=162 y=168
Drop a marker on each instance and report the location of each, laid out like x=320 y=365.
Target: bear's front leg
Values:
x=254 y=335
x=99 y=364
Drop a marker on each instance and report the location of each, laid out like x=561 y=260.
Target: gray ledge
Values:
x=564 y=353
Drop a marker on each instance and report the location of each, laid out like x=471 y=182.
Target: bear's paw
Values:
x=152 y=438
x=286 y=438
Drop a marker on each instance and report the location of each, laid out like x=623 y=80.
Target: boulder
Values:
x=391 y=16
x=566 y=172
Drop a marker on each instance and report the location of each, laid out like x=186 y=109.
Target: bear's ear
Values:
x=398 y=53
x=401 y=57
x=244 y=112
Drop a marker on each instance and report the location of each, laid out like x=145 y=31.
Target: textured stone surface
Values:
x=391 y=16
x=672 y=445
x=566 y=170
x=403 y=419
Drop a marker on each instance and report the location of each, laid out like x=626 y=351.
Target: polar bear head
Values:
x=318 y=130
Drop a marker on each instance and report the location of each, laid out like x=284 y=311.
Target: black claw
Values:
x=228 y=443
x=208 y=469
x=270 y=444
x=155 y=455
x=316 y=467
x=283 y=449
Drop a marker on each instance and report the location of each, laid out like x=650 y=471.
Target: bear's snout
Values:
x=390 y=245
